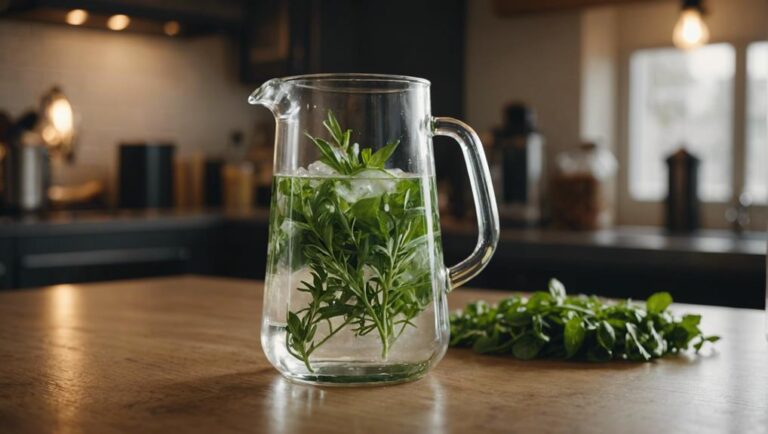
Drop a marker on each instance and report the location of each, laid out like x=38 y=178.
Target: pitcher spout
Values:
x=274 y=95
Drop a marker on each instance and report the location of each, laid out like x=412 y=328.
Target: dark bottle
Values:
x=519 y=154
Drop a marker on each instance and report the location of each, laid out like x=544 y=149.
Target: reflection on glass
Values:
x=292 y=406
x=681 y=98
x=757 y=117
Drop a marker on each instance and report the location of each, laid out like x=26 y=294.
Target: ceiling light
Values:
x=77 y=17
x=118 y=22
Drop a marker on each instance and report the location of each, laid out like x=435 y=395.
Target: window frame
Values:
x=746 y=109
x=637 y=212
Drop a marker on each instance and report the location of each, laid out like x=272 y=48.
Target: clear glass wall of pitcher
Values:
x=355 y=290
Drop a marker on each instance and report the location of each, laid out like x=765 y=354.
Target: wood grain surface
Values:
x=183 y=355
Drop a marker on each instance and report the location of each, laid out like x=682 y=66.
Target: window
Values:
x=681 y=99
x=756 y=180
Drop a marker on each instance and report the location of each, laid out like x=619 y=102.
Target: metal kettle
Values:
x=25 y=168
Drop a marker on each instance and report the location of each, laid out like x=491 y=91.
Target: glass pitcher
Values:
x=355 y=290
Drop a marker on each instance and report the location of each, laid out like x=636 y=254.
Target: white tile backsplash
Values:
x=127 y=87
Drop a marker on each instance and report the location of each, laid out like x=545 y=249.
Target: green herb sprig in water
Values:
x=346 y=158
x=366 y=255
x=555 y=325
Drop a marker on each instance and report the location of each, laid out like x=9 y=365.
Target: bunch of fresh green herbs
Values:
x=555 y=325
x=367 y=258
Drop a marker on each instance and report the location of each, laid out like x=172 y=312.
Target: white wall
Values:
x=534 y=59
x=599 y=51
x=599 y=84
x=126 y=87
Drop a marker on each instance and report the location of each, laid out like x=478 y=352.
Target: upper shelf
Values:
x=516 y=7
x=146 y=16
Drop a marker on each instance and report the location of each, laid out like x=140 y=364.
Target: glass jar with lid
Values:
x=581 y=198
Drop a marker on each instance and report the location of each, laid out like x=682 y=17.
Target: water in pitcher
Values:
x=359 y=255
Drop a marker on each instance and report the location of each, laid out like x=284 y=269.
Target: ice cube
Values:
x=369 y=183
x=318 y=168
x=282 y=294
x=289 y=227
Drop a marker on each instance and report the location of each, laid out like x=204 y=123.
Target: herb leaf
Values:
x=527 y=347
x=658 y=302
x=573 y=336
x=380 y=157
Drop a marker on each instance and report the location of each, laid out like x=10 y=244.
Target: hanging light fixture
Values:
x=690 y=30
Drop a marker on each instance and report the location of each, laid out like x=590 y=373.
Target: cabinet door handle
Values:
x=104 y=257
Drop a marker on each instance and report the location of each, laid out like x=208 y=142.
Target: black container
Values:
x=213 y=183
x=146 y=175
x=682 y=204
x=519 y=151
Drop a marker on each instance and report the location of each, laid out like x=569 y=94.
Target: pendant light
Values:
x=690 y=30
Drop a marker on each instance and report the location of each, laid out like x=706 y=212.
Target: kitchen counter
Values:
x=182 y=354
x=619 y=262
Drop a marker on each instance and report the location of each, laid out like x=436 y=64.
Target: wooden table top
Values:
x=183 y=355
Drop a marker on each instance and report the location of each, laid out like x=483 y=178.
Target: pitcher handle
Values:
x=485 y=200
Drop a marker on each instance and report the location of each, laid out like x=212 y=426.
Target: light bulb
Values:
x=118 y=22
x=690 y=30
x=60 y=115
x=76 y=17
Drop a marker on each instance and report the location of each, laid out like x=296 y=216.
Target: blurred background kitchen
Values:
x=626 y=138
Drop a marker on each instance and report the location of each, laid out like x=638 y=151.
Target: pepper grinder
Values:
x=682 y=204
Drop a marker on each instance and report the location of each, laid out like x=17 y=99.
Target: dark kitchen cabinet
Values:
x=424 y=39
x=623 y=268
x=78 y=258
x=241 y=249
x=39 y=253
x=6 y=262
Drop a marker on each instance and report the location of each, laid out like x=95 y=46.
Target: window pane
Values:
x=757 y=117
x=680 y=98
